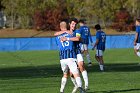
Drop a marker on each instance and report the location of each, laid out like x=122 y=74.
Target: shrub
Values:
x=49 y=19
x=123 y=21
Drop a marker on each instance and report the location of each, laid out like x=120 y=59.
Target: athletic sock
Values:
x=78 y=81
x=85 y=77
x=88 y=58
x=101 y=67
x=63 y=83
x=138 y=54
x=73 y=81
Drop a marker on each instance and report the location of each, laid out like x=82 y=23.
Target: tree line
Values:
x=23 y=13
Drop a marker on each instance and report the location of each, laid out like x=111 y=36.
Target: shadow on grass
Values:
x=31 y=72
x=127 y=67
x=115 y=91
x=55 y=70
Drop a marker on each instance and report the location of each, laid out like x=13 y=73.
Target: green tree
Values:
x=21 y=11
x=133 y=7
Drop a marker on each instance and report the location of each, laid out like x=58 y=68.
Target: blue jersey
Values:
x=66 y=48
x=101 y=36
x=77 y=43
x=138 y=31
x=85 y=35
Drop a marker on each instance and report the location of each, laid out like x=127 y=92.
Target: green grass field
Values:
x=39 y=72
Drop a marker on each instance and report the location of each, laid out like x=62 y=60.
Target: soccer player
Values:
x=86 y=36
x=76 y=40
x=100 y=46
x=67 y=59
x=137 y=38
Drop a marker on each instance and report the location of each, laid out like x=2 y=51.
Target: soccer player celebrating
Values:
x=137 y=38
x=67 y=59
x=100 y=46
x=80 y=61
x=86 y=36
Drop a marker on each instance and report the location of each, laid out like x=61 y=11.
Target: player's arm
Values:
x=97 y=41
x=71 y=39
x=136 y=38
x=77 y=38
x=90 y=38
x=61 y=32
x=58 y=33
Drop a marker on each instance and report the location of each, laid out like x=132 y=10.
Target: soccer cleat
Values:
x=81 y=90
x=86 y=88
x=61 y=91
x=89 y=64
x=74 y=89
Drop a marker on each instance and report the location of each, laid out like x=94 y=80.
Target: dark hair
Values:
x=65 y=20
x=73 y=19
x=82 y=21
x=97 y=27
x=138 y=19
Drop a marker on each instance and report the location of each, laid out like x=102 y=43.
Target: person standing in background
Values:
x=85 y=37
x=100 y=46
x=137 y=38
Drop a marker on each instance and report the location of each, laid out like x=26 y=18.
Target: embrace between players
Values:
x=71 y=53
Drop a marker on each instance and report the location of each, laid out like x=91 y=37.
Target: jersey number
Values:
x=103 y=38
x=66 y=43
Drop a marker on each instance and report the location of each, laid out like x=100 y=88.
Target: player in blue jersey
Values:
x=76 y=39
x=67 y=59
x=86 y=36
x=137 y=38
x=100 y=46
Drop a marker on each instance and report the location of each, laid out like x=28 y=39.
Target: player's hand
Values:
x=63 y=39
x=69 y=32
x=92 y=44
x=93 y=48
x=135 y=43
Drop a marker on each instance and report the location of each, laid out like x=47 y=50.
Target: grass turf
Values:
x=40 y=72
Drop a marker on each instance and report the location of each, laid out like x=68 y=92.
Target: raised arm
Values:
x=90 y=37
x=77 y=38
x=61 y=32
x=72 y=38
x=58 y=33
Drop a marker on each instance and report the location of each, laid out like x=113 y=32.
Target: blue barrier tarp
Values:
x=18 y=44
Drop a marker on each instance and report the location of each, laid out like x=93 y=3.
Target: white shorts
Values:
x=99 y=52
x=84 y=47
x=67 y=64
x=79 y=58
x=137 y=46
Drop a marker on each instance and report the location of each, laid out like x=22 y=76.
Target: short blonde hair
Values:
x=63 y=24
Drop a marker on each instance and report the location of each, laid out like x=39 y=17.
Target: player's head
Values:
x=63 y=25
x=81 y=22
x=72 y=23
x=97 y=27
x=137 y=21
